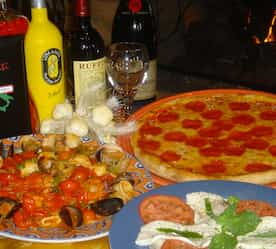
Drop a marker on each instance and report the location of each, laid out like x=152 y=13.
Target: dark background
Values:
x=216 y=40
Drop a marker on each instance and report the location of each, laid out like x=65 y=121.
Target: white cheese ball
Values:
x=77 y=126
x=63 y=111
x=102 y=115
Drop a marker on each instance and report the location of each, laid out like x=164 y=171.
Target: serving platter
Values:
x=125 y=140
x=117 y=237
x=98 y=229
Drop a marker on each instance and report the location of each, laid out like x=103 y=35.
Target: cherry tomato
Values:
x=80 y=173
x=21 y=219
x=28 y=204
x=69 y=187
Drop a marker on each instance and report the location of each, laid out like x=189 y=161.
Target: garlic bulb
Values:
x=51 y=126
x=102 y=115
x=77 y=126
x=63 y=111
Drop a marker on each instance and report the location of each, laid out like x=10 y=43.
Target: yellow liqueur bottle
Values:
x=44 y=61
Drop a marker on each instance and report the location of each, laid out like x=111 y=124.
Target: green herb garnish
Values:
x=233 y=224
x=186 y=234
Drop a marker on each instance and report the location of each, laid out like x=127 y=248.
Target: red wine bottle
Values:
x=134 y=21
x=86 y=56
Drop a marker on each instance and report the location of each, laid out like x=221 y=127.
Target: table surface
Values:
x=169 y=83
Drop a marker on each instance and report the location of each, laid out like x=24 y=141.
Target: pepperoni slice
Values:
x=165 y=207
x=196 y=141
x=257 y=144
x=148 y=145
x=209 y=132
x=210 y=151
x=212 y=114
x=239 y=135
x=272 y=150
x=170 y=156
x=178 y=244
x=167 y=117
x=176 y=136
x=257 y=167
x=196 y=106
x=239 y=106
x=219 y=142
x=268 y=115
x=261 y=130
x=214 y=167
x=147 y=129
x=243 y=119
x=261 y=208
x=191 y=123
x=234 y=150
x=223 y=124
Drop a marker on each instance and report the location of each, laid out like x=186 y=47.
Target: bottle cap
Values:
x=38 y=4
x=82 y=8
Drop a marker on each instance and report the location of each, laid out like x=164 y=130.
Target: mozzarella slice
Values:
x=197 y=202
x=149 y=233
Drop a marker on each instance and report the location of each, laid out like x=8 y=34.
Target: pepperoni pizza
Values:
x=222 y=135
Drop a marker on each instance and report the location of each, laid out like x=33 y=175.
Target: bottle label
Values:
x=89 y=81
x=51 y=66
x=135 y=6
x=148 y=89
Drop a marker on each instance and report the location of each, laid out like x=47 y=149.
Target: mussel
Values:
x=107 y=207
x=114 y=158
x=71 y=216
x=8 y=206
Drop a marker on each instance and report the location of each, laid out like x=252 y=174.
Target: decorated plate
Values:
x=130 y=213
x=140 y=181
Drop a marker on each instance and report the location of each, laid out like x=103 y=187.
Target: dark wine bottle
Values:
x=134 y=21
x=86 y=56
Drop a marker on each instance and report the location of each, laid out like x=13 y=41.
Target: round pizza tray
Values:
x=124 y=140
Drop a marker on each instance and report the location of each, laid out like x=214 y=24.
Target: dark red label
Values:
x=82 y=8
x=135 y=5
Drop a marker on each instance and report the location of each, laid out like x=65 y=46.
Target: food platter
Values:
x=97 y=229
x=148 y=113
x=223 y=188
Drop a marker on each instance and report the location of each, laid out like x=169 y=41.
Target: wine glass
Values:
x=127 y=66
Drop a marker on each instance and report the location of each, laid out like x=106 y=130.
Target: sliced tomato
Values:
x=261 y=208
x=165 y=207
x=178 y=244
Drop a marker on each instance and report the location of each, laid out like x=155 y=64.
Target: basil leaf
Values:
x=209 y=209
x=241 y=224
x=223 y=241
x=187 y=234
